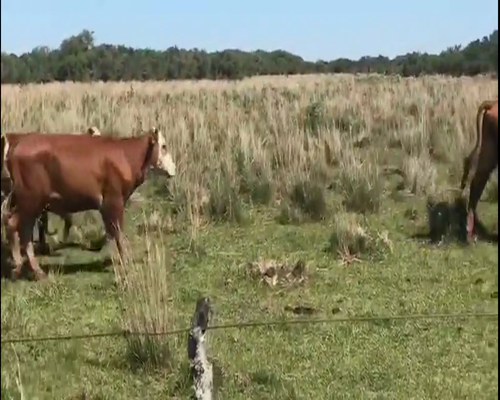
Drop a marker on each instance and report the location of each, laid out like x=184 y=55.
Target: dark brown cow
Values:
x=482 y=160
x=72 y=173
x=10 y=140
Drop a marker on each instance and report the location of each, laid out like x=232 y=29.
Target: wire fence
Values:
x=255 y=324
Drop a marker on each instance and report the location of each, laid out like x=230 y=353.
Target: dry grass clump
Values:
x=289 y=215
x=224 y=202
x=143 y=286
x=158 y=221
x=255 y=185
x=360 y=183
x=419 y=174
x=306 y=201
x=349 y=238
x=310 y=198
x=352 y=241
x=278 y=273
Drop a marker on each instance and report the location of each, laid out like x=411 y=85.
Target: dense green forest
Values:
x=79 y=59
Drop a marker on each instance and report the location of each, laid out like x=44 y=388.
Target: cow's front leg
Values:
x=13 y=229
x=112 y=216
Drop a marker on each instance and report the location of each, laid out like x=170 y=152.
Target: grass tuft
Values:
x=224 y=203
x=349 y=238
x=361 y=185
x=309 y=197
x=420 y=174
x=144 y=292
x=352 y=241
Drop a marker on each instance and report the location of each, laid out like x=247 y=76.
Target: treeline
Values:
x=79 y=59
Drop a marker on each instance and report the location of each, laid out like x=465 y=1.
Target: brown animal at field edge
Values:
x=73 y=173
x=8 y=141
x=482 y=160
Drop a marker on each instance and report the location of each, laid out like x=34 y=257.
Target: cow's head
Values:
x=161 y=157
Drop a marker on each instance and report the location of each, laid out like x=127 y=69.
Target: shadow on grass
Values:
x=178 y=374
x=88 y=265
x=94 y=246
x=6 y=265
x=75 y=267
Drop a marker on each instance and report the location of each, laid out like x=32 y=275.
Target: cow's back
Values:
x=72 y=172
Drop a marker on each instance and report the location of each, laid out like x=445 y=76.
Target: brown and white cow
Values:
x=73 y=173
x=482 y=160
x=11 y=139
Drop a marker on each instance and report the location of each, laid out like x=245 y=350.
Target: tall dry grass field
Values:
x=280 y=130
x=270 y=168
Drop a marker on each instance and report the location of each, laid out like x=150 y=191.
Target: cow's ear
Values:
x=155 y=134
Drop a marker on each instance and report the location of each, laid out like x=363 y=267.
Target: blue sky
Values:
x=312 y=29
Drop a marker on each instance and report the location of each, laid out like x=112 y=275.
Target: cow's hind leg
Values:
x=26 y=229
x=487 y=163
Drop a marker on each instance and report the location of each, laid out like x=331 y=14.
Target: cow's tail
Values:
x=483 y=107
x=471 y=160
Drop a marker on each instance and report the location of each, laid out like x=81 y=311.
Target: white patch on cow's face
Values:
x=165 y=161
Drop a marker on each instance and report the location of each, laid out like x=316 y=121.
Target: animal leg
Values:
x=476 y=190
x=27 y=226
x=479 y=181
x=43 y=227
x=112 y=216
x=13 y=225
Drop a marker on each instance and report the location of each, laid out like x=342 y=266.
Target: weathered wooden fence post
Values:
x=201 y=368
